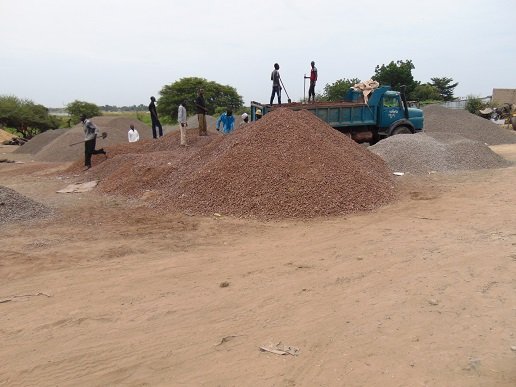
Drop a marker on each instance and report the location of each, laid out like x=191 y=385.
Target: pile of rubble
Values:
x=16 y=207
x=286 y=165
x=438 y=152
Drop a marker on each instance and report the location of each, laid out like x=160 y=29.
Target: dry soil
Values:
x=418 y=293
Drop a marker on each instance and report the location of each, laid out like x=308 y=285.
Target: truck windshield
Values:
x=391 y=101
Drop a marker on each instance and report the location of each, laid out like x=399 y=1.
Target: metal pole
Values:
x=304 y=88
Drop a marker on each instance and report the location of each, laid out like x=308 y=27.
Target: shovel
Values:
x=103 y=135
x=289 y=100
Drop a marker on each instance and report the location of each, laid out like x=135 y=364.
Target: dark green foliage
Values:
x=185 y=91
x=395 y=75
x=445 y=87
x=426 y=92
x=77 y=108
x=474 y=104
x=337 y=90
x=25 y=116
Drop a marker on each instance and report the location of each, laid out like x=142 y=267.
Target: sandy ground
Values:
x=419 y=293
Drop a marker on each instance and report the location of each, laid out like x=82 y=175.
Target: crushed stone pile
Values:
x=58 y=149
x=442 y=152
x=17 y=207
x=439 y=119
x=286 y=165
x=36 y=143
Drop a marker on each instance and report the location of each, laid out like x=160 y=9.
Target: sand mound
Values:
x=439 y=119
x=288 y=164
x=421 y=153
x=5 y=135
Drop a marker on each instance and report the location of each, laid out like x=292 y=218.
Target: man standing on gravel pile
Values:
x=200 y=104
x=181 y=118
x=132 y=134
x=155 y=119
x=90 y=141
x=227 y=120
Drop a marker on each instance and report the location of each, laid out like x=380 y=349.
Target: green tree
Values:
x=337 y=90
x=77 y=108
x=426 y=92
x=25 y=116
x=474 y=104
x=185 y=90
x=395 y=75
x=445 y=87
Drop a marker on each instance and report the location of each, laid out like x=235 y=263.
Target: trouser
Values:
x=203 y=131
x=182 y=129
x=276 y=90
x=156 y=124
x=89 y=150
x=311 y=91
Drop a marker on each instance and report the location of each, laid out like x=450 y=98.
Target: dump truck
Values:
x=386 y=113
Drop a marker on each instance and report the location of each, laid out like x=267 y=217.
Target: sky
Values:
x=121 y=52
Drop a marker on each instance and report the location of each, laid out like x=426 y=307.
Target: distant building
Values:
x=501 y=96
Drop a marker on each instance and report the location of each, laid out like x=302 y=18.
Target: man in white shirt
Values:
x=133 y=134
x=181 y=119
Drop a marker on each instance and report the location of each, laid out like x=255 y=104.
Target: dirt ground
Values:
x=419 y=293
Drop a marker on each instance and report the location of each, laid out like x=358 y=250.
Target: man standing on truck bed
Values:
x=313 y=80
x=276 y=83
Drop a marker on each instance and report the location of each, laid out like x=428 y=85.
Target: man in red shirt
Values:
x=313 y=79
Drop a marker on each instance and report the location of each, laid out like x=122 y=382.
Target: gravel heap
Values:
x=421 y=153
x=439 y=119
x=55 y=147
x=36 y=143
x=286 y=165
x=15 y=207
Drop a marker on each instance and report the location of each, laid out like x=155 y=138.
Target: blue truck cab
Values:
x=386 y=113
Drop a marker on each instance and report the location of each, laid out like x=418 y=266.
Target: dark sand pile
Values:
x=439 y=119
x=16 y=207
x=286 y=165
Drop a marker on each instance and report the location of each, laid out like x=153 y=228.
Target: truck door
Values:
x=391 y=110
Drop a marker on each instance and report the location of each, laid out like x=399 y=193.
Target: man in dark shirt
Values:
x=155 y=119
x=276 y=84
x=200 y=105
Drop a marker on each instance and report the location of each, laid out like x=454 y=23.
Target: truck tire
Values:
x=401 y=130
x=513 y=122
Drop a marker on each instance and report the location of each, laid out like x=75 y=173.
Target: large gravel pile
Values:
x=59 y=149
x=286 y=165
x=15 y=207
x=421 y=153
x=439 y=119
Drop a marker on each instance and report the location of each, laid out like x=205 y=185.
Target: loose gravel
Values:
x=17 y=207
x=286 y=165
x=441 y=152
x=439 y=119
x=36 y=143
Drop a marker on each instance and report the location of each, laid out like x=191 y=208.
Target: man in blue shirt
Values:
x=227 y=120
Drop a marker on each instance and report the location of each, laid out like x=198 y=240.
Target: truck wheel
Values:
x=513 y=122
x=401 y=130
